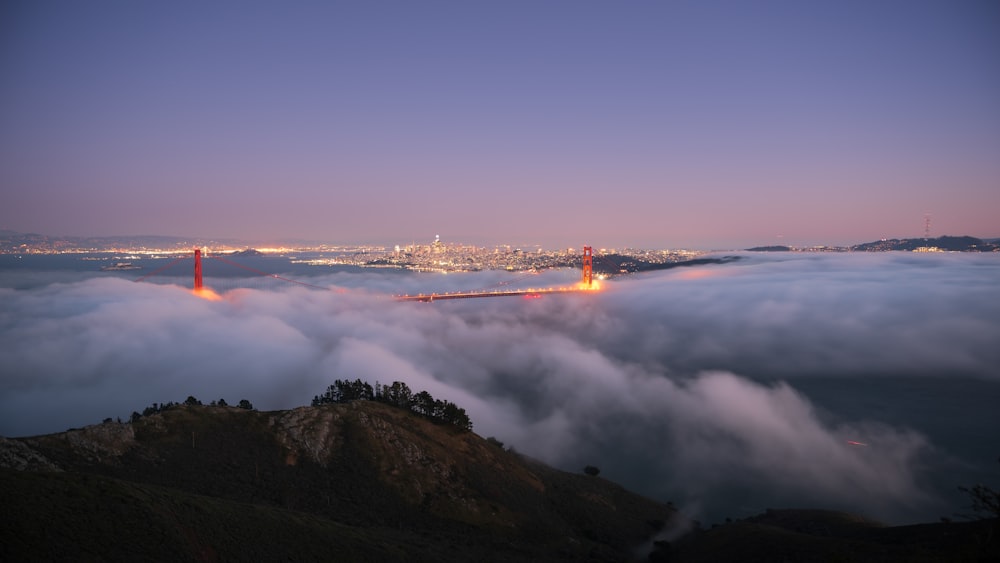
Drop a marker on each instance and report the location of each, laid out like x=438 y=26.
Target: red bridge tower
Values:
x=197 y=269
x=588 y=266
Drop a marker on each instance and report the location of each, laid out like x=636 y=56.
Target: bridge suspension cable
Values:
x=588 y=261
x=274 y=276
x=161 y=269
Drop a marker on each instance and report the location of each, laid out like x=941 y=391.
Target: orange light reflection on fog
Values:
x=206 y=293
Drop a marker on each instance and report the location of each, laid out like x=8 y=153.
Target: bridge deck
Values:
x=428 y=297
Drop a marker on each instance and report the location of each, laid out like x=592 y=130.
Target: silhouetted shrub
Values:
x=985 y=501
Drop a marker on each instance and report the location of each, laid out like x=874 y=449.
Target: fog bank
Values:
x=680 y=384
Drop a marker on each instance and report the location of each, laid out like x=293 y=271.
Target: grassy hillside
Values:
x=83 y=517
x=365 y=481
x=377 y=482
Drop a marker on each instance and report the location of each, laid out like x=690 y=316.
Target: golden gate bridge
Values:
x=199 y=287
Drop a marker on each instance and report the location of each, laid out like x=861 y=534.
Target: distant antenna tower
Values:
x=927 y=226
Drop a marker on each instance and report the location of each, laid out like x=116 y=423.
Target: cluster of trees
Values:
x=243 y=404
x=160 y=407
x=399 y=395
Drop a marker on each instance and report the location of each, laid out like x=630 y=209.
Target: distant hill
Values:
x=247 y=252
x=617 y=264
x=946 y=243
x=943 y=243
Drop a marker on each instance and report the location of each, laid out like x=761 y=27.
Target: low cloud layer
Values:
x=681 y=384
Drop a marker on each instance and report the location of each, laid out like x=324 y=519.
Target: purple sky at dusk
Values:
x=560 y=123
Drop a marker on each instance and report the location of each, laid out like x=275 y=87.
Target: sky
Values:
x=676 y=124
x=726 y=388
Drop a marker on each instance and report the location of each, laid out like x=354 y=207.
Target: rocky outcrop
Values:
x=15 y=454
x=311 y=431
x=97 y=444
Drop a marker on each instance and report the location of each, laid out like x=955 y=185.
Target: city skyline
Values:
x=676 y=125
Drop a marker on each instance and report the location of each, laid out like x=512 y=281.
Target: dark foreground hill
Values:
x=818 y=536
x=365 y=481
x=361 y=481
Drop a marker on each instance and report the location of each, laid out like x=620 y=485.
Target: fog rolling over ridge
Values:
x=724 y=388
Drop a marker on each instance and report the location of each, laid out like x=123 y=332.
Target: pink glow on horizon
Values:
x=664 y=125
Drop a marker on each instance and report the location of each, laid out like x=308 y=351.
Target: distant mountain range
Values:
x=13 y=242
